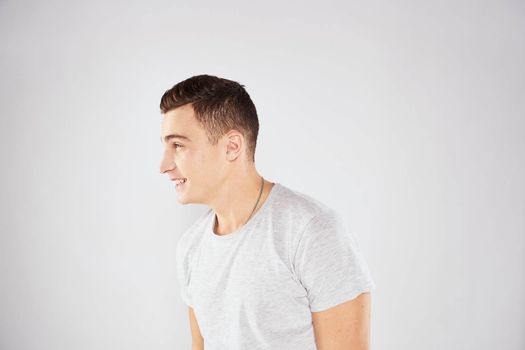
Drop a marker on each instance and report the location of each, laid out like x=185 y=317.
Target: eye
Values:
x=176 y=145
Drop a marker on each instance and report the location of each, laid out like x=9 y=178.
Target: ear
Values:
x=235 y=143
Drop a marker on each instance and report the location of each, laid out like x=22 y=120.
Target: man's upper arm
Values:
x=344 y=326
x=196 y=337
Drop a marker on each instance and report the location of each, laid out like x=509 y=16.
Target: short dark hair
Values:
x=219 y=105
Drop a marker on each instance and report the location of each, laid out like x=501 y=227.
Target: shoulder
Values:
x=306 y=218
x=326 y=228
x=298 y=205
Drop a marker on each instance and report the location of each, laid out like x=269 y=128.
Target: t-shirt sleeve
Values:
x=329 y=263
x=183 y=273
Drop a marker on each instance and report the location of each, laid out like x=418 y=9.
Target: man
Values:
x=266 y=267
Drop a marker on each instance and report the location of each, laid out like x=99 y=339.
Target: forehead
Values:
x=181 y=121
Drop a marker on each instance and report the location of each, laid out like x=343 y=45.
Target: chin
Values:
x=183 y=200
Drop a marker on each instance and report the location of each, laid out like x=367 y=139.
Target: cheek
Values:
x=202 y=157
x=191 y=159
x=184 y=155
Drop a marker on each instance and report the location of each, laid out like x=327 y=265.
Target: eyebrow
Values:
x=175 y=136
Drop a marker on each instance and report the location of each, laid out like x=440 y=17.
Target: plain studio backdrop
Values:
x=406 y=117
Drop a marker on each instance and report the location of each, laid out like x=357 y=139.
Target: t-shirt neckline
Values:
x=238 y=233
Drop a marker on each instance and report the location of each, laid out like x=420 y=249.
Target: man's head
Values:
x=219 y=125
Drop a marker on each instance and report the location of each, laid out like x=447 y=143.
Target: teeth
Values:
x=180 y=181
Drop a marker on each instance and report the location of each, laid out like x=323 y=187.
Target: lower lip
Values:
x=180 y=186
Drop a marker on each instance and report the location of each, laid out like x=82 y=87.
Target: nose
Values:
x=166 y=163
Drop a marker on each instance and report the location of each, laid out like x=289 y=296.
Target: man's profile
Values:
x=266 y=267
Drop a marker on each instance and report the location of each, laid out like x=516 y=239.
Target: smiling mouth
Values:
x=179 y=183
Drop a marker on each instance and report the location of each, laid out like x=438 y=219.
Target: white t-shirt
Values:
x=256 y=287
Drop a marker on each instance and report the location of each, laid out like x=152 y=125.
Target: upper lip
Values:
x=176 y=178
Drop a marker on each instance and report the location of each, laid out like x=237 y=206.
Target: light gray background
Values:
x=407 y=117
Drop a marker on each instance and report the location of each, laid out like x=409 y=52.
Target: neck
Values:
x=235 y=201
